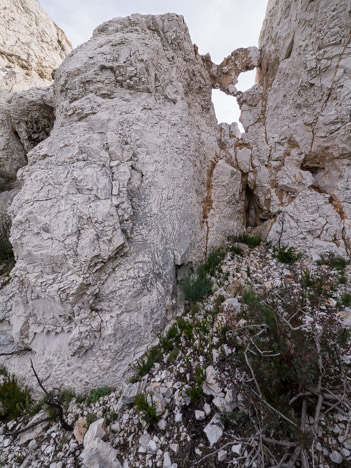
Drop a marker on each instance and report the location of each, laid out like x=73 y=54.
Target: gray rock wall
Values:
x=130 y=178
x=129 y=187
x=297 y=121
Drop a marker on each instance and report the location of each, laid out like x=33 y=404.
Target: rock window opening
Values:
x=246 y=80
x=226 y=108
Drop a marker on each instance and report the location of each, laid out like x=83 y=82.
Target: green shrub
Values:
x=97 y=393
x=195 y=391
x=250 y=241
x=14 y=398
x=336 y=262
x=6 y=250
x=282 y=354
x=173 y=355
x=346 y=299
x=285 y=255
x=197 y=286
x=214 y=260
x=185 y=327
x=235 y=250
x=143 y=365
x=147 y=411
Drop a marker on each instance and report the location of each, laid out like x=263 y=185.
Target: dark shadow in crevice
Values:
x=252 y=212
x=313 y=163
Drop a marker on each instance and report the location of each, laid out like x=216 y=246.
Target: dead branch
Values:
x=31 y=426
x=53 y=402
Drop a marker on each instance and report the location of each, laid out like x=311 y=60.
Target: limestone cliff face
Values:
x=124 y=192
x=31 y=45
x=297 y=120
x=295 y=153
x=130 y=179
x=31 y=48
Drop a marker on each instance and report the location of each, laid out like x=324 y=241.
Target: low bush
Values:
x=334 y=261
x=147 y=411
x=6 y=250
x=143 y=365
x=197 y=286
x=14 y=398
x=250 y=241
x=195 y=391
x=285 y=255
x=293 y=352
x=97 y=393
x=346 y=299
x=214 y=260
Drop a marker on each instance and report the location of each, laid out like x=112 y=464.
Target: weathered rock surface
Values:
x=130 y=179
x=129 y=186
x=31 y=49
x=297 y=121
x=32 y=46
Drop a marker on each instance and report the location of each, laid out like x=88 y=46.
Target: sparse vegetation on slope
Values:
x=257 y=371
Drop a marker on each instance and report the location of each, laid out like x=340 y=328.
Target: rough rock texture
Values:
x=31 y=48
x=129 y=187
x=294 y=155
x=31 y=45
x=130 y=179
x=297 y=118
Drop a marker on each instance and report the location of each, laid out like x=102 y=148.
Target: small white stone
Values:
x=207 y=409
x=345 y=452
x=222 y=455
x=237 y=448
x=199 y=415
x=174 y=447
x=178 y=417
x=336 y=457
x=167 y=460
x=151 y=447
x=162 y=424
x=213 y=433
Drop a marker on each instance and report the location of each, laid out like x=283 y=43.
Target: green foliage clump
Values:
x=185 y=327
x=346 y=299
x=197 y=286
x=280 y=349
x=336 y=262
x=284 y=255
x=6 y=251
x=14 y=398
x=234 y=419
x=195 y=391
x=91 y=417
x=235 y=250
x=147 y=411
x=250 y=241
x=143 y=365
x=214 y=260
x=97 y=393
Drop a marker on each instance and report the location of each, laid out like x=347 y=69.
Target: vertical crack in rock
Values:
x=331 y=88
x=302 y=83
x=208 y=202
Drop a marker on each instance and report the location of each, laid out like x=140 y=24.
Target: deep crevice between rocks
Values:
x=252 y=217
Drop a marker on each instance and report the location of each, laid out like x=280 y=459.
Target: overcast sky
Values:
x=216 y=26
